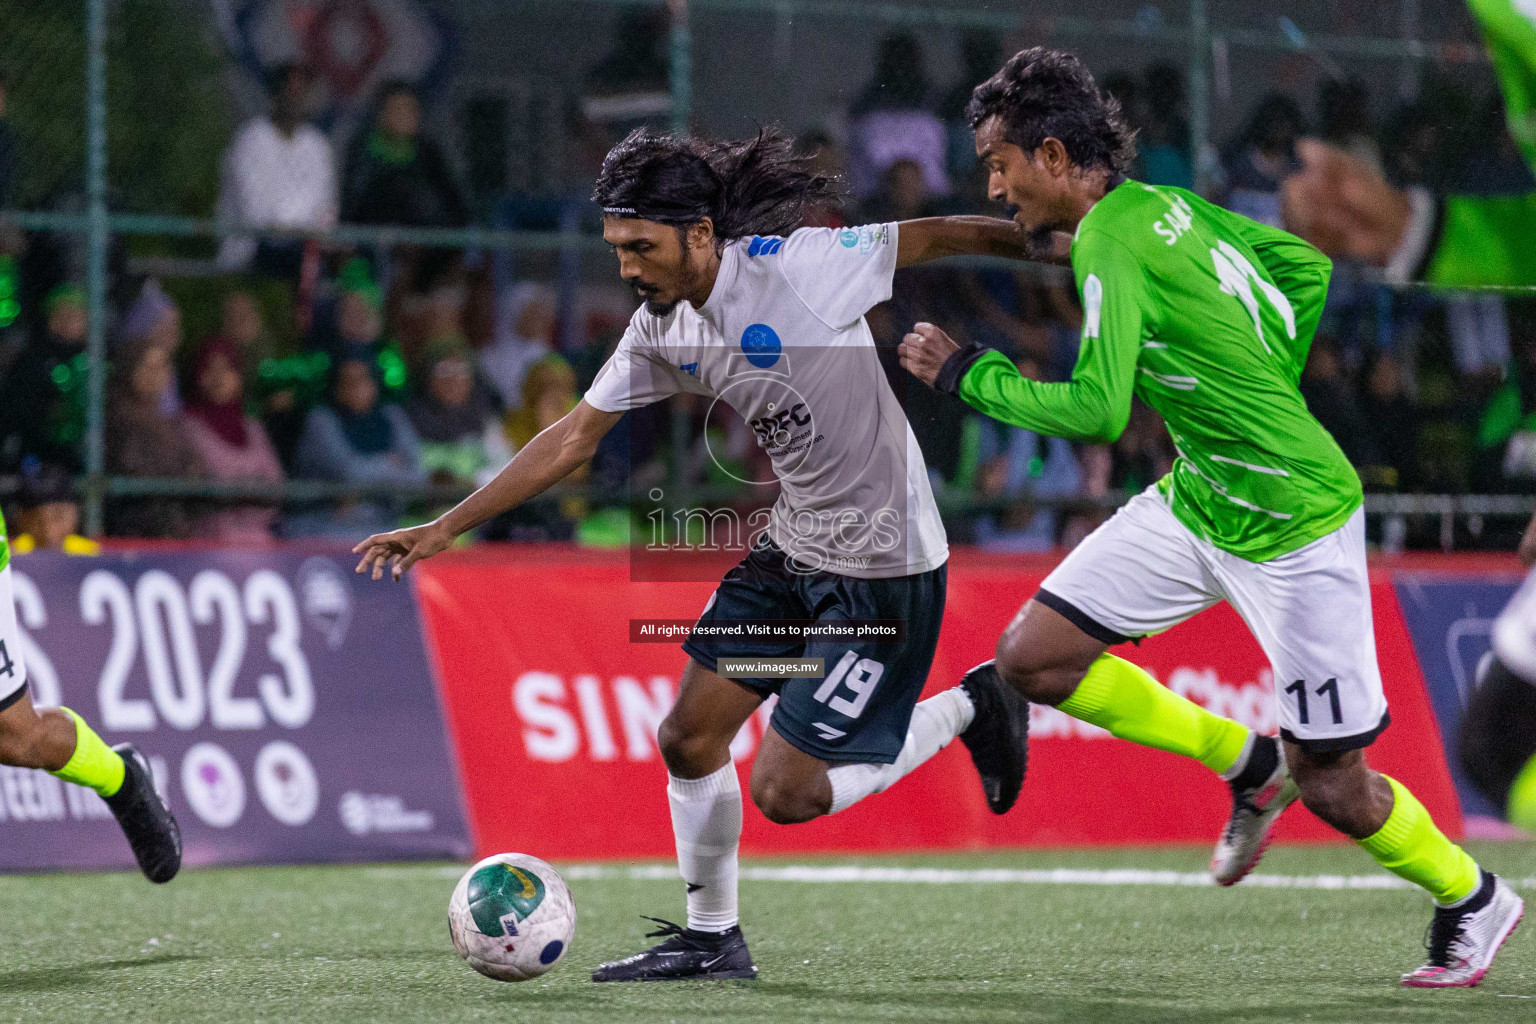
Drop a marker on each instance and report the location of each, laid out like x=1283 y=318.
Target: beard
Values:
x=687 y=275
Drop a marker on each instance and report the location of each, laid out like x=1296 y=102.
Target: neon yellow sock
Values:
x=1124 y=699
x=93 y=764
x=1522 y=798
x=1410 y=846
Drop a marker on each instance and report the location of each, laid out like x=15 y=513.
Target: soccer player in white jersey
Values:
x=742 y=307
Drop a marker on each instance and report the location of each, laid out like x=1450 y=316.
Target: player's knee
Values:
x=1337 y=789
x=1031 y=670
x=1327 y=799
x=687 y=752
x=785 y=803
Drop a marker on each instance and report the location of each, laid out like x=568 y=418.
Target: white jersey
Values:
x=782 y=340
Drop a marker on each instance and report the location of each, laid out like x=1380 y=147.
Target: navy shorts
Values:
x=863 y=717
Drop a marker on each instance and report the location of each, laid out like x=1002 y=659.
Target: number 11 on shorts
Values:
x=1330 y=688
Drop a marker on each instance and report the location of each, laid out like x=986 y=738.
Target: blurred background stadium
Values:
x=244 y=205
x=276 y=274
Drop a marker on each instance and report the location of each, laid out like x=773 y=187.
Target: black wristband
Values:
x=948 y=380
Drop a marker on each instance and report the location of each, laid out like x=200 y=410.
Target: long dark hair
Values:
x=756 y=186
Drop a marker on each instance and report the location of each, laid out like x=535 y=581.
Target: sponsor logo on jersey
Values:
x=764 y=245
x=865 y=237
x=776 y=429
x=691 y=369
x=761 y=345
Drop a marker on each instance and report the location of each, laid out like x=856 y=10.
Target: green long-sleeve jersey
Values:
x=1207 y=316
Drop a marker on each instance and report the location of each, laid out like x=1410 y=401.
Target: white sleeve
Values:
x=839 y=273
x=636 y=375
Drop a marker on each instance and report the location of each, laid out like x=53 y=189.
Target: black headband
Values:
x=662 y=213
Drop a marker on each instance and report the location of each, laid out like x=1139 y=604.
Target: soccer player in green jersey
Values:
x=1207 y=317
x=58 y=741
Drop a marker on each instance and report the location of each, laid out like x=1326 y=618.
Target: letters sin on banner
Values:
x=554 y=713
x=285 y=705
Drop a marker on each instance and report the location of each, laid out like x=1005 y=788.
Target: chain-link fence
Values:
x=245 y=219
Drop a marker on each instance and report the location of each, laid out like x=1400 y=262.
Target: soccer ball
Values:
x=511 y=917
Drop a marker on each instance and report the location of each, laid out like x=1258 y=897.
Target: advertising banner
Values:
x=554 y=713
x=286 y=706
x=1451 y=620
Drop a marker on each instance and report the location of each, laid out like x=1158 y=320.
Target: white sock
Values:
x=935 y=722
x=706 y=822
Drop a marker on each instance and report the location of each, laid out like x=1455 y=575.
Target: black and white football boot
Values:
x=1462 y=941
x=684 y=955
x=1260 y=794
x=145 y=819
x=998 y=737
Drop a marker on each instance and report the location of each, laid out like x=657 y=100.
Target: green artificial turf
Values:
x=341 y=944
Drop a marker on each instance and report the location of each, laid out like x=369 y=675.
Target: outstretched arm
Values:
x=930 y=238
x=1095 y=404
x=546 y=460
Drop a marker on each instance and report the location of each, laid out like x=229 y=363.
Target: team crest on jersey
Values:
x=764 y=246
x=865 y=237
x=761 y=345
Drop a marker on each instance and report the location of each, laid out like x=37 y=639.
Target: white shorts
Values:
x=13 y=674
x=1143 y=571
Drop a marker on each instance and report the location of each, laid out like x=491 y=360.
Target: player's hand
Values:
x=398 y=550
x=924 y=351
x=1343 y=205
x=1527 y=549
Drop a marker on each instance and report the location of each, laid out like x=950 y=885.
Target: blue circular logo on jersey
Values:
x=849 y=238
x=761 y=345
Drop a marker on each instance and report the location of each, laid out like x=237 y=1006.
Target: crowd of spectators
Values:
x=1424 y=393
x=386 y=369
